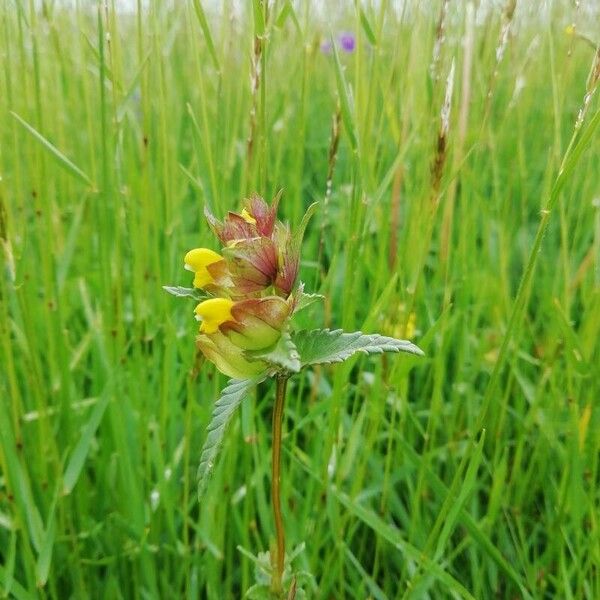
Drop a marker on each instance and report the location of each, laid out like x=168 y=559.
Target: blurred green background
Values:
x=441 y=130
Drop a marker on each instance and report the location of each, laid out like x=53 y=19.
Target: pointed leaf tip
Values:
x=182 y=292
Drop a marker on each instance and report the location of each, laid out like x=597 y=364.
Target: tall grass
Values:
x=471 y=473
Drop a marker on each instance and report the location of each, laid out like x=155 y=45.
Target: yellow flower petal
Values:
x=197 y=260
x=202 y=278
x=213 y=313
x=200 y=257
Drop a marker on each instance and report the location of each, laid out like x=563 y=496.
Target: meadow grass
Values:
x=472 y=472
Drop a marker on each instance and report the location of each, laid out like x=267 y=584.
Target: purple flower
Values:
x=347 y=41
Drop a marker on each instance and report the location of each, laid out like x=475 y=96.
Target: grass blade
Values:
x=392 y=535
x=61 y=159
x=80 y=452
x=207 y=35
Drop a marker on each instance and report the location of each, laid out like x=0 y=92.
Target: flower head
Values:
x=251 y=282
x=259 y=253
x=347 y=41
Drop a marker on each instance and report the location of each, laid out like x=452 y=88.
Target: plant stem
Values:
x=275 y=481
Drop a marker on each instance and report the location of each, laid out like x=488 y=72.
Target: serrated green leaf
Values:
x=231 y=397
x=284 y=355
x=183 y=292
x=305 y=300
x=323 y=346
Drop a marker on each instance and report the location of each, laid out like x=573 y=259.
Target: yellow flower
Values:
x=212 y=313
x=229 y=329
x=198 y=260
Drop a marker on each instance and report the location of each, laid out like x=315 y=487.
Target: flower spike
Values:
x=252 y=279
x=247 y=295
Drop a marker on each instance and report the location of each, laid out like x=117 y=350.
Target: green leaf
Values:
x=80 y=452
x=284 y=355
x=284 y=13
x=16 y=479
x=344 y=96
x=375 y=591
x=17 y=591
x=183 y=292
x=206 y=31
x=224 y=409
x=305 y=300
x=9 y=563
x=299 y=234
x=323 y=346
x=42 y=565
x=259 y=18
x=364 y=21
x=56 y=153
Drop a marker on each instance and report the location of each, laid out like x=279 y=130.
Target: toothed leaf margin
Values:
x=324 y=346
x=231 y=397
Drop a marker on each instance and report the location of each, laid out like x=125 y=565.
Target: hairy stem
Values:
x=275 y=484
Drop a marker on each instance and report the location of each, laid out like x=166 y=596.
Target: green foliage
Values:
x=302 y=582
x=117 y=127
x=324 y=347
x=283 y=356
x=184 y=292
x=55 y=152
x=230 y=399
x=300 y=349
x=305 y=300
